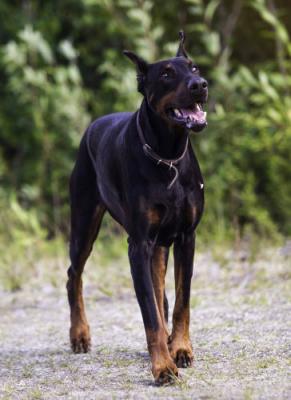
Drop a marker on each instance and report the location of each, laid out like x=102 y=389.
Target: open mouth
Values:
x=192 y=117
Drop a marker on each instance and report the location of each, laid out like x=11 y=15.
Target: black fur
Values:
x=113 y=174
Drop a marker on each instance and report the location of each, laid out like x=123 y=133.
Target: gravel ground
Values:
x=240 y=328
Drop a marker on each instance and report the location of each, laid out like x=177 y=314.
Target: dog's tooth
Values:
x=177 y=112
x=198 y=107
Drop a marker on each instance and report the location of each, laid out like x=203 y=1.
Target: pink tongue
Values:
x=197 y=115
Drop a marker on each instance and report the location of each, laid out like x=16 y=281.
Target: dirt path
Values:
x=240 y=329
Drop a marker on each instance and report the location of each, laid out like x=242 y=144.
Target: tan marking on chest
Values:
x=153 y=216
x=191 y=214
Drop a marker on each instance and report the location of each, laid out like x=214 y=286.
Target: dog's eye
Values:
x=168 y=73
x=194 y=68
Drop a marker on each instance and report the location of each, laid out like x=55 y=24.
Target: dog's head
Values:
x=173 y=88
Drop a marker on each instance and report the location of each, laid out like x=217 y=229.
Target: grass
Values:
x=227 y=295
x=28 y=259
x=35 y=394
x=108 y=267
x=27 y=372
x=195 y=301
x=266 y=363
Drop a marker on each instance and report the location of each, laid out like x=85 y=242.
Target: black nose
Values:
x=198 y=85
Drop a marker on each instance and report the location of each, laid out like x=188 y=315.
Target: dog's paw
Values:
x=166 y=374
x=183 y=359
x=80 y=339
x=181 y=354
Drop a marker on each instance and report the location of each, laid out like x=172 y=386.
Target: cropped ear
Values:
x=181 y=49
x=141 y=64
x=141 y=67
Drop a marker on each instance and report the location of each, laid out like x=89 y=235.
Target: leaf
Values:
x=210 y=10
x=36 y=42
x=67 y=49
x=212 y=43
x=248 y=76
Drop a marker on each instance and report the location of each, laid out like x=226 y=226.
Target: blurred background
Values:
x=61 y=66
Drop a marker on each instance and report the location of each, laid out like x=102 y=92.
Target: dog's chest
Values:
x=175 y=215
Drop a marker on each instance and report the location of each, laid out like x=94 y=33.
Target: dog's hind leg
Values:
x=86 y=216
x=159 y=269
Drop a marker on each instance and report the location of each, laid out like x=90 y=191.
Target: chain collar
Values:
x=171 y=163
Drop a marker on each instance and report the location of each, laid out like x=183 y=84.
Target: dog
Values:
x=141 y=168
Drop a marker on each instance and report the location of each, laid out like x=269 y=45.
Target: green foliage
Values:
x=20 y=234
x=248 y=141
x=61 y=65
x=42 y=114
x=248 y=173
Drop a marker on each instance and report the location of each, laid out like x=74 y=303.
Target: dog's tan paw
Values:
x=80 y=339
x=166 y=373
x=181 y=354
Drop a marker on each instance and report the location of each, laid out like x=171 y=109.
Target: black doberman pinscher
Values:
x=141 y=168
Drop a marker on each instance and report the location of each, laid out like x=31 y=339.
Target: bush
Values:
x=61 y=65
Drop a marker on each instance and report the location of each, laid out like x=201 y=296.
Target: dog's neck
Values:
x=165 y=140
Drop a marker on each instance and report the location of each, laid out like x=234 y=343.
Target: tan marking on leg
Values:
x=80 y=331
x=180 y=344
x=163 y=367
x=159 y=269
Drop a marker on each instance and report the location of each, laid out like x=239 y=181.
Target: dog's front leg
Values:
x=180 y=344
x=159 y=268
x=140 y=256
